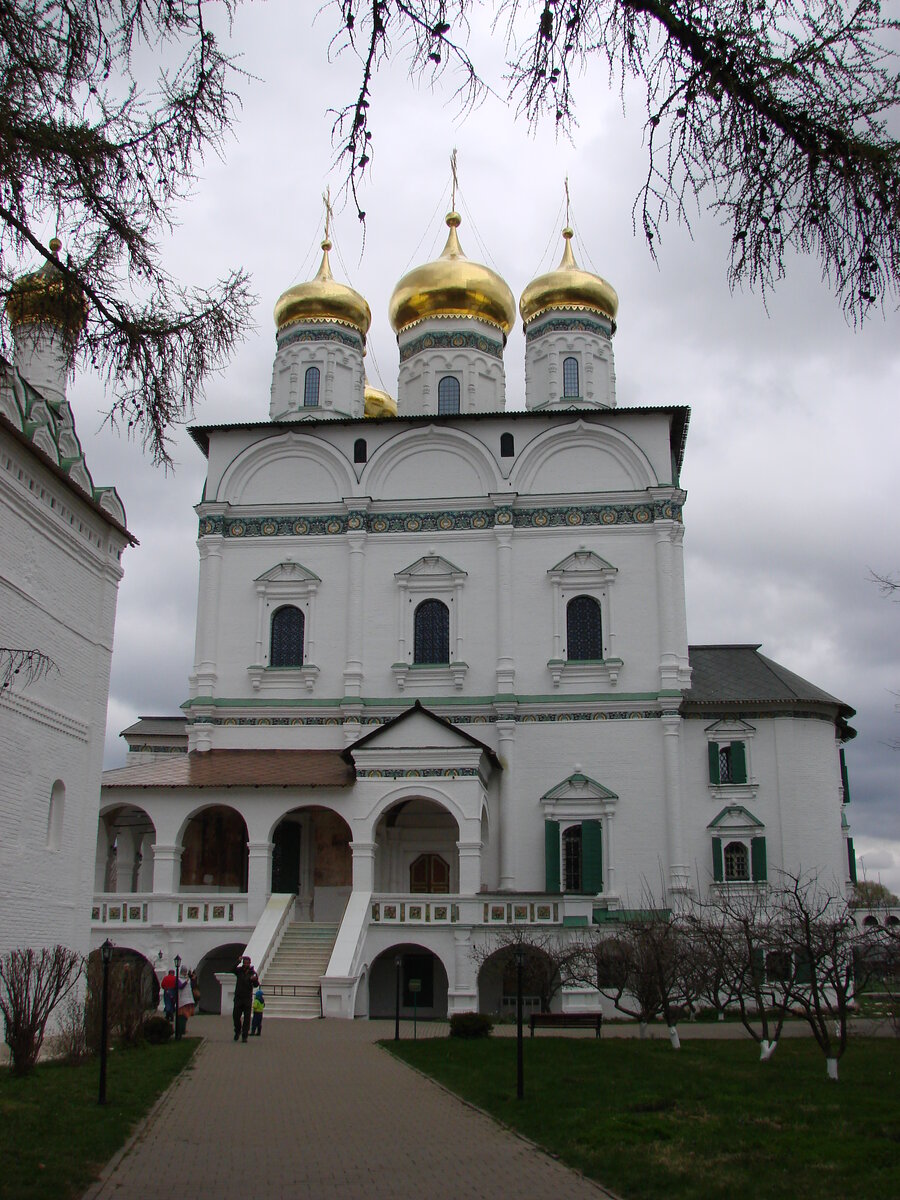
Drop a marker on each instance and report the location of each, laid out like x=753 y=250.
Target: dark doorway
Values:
x=420 y=967
x=286 y=858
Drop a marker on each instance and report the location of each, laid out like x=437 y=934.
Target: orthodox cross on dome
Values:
x=567 y=201
x=326 y=199
x=455 y=180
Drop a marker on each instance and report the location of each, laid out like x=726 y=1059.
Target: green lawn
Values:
x=54 y=1136
x=705 y=1123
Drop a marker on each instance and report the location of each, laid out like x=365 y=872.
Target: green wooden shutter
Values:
x=738 y=762
x=804 y=967
x=758 y=964
x=845 y=778
x=713 y=762
x=591 y=857
x=758 y=859
x=551 y=856
x=718 y=861
x=851 y=860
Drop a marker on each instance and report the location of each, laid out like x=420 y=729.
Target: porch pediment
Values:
x=419 y=740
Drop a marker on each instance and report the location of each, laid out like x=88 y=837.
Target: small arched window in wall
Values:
x=448 y=395
x=570 y=377
x=572 y=858
x=584 y=642
x=507 y=445
x=431 y=634
x=55 y=815
x=737 y=863
x=360 y=452
x=286 y=649
x=311 y=388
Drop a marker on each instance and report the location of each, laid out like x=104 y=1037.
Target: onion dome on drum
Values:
x=323 y=299
x=452 y=286
x=569 y=287
x=45 y=298
x=378 y=403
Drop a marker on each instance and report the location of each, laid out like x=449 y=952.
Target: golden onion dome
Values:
x=378 y=403
x=452 y=286
x=44 y=297
x=322 y=298
x=569 y=287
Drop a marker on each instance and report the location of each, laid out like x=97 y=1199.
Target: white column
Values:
x=506 y=734
x=125 y=856
x=166 y=868
x=205 y=669
x=506 y=673
x=665 y=607
x=679 y=878
x=259 y=878
x=353 y=669
x=363 y=866
x=469 y=868
x=609 y=878
x=463 y=992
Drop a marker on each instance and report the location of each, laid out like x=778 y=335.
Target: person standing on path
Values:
x=259 y=1004
x=246 y=980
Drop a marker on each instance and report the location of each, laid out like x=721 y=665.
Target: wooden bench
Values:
x=583 y=1020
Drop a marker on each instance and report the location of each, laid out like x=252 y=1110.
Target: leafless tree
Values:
x=773 y=113
x=32 y=984
x=546 y=965
x=99 y=141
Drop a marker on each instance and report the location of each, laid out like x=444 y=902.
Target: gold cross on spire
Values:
x=455 y=180
x=567 y=200
x=326 y=197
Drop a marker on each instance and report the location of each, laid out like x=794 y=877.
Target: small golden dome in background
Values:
x=569 y=287
x=452 y=286
x=44 y=298
x=378 y=403
x=323 y=299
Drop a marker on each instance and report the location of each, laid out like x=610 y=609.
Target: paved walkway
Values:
x=313 y=1110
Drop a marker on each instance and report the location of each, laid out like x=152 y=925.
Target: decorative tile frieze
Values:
x=447 y=521
x=419 y=773
x=333 y=333
x=452 y=718
x=451 y=341
x=580 y=324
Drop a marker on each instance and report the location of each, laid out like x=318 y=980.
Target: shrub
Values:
x=72 y=1032
x=32 y=984
x=470 y=1025
x=157 y=1030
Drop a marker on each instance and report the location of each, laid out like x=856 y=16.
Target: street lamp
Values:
x=398 y=962
x=520 y=1061
x=177 y=969
x=105 y=957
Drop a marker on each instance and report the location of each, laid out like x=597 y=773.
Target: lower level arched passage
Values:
x=408 y=965
x=218 y=961
x=498 y=981
x=133 y=986
x=416 y=849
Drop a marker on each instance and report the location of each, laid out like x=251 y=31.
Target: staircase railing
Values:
x=269 y=930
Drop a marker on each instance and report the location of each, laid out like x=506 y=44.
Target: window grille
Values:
x=287 y=637
x=584 y=642
x=570 y=377
x=725 y=774
x=431 y=637
x=311 y=388
x=572 y=859
x=448 y=395
x=737 y=862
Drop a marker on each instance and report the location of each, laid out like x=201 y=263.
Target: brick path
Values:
x=313 y=1110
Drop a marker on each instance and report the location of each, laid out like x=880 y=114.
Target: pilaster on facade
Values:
x=679 y=878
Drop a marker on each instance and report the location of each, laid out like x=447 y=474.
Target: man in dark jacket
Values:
x=246 y=980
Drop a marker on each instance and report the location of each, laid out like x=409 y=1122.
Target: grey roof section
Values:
x=740 y=674
x=172 y=727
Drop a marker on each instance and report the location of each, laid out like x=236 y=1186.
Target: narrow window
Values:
x=360 y=453
x=431 y=635
x=448 y=395
x=570 y=377
x=571 y=846
x=583 y=632
x=507 y=446
x=737 y=863
x=287 y=637
x=311 y=388
x=56 y=815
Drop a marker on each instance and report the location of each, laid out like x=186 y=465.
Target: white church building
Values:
x=442 y=684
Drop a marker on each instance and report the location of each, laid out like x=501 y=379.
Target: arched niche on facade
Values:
x=541 y=983
x=214 y=851
x=308 y=471
x=436 y=460
x=312 y=859
x=416 y=848
x=218 y=961
x=416 y=964
x=582 y=450
x=124 y=858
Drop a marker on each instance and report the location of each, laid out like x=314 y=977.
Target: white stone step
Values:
x=291 y=981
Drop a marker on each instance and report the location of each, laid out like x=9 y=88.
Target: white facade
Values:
x=442 y=685
x=61 y=541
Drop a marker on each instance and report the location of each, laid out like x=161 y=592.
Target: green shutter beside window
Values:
x=738 y=762
x=758 y=859
x=551 y=856
x=713 y=762
x=718 y=862
x=851 y=860
x=845 y=778
x=591 y=857
x=758 y=964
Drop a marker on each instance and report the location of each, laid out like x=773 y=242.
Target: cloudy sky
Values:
x=791 y=465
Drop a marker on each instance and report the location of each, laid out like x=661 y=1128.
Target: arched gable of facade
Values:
x=454 y=464
x=288 y=465
x=416 y=789
x=556 y=457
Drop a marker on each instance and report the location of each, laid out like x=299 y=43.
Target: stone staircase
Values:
x=291 y=980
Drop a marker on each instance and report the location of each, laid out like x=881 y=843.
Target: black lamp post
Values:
x=398 y=962
x=177 y=969
x=520 y=1060
x=105 y=957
